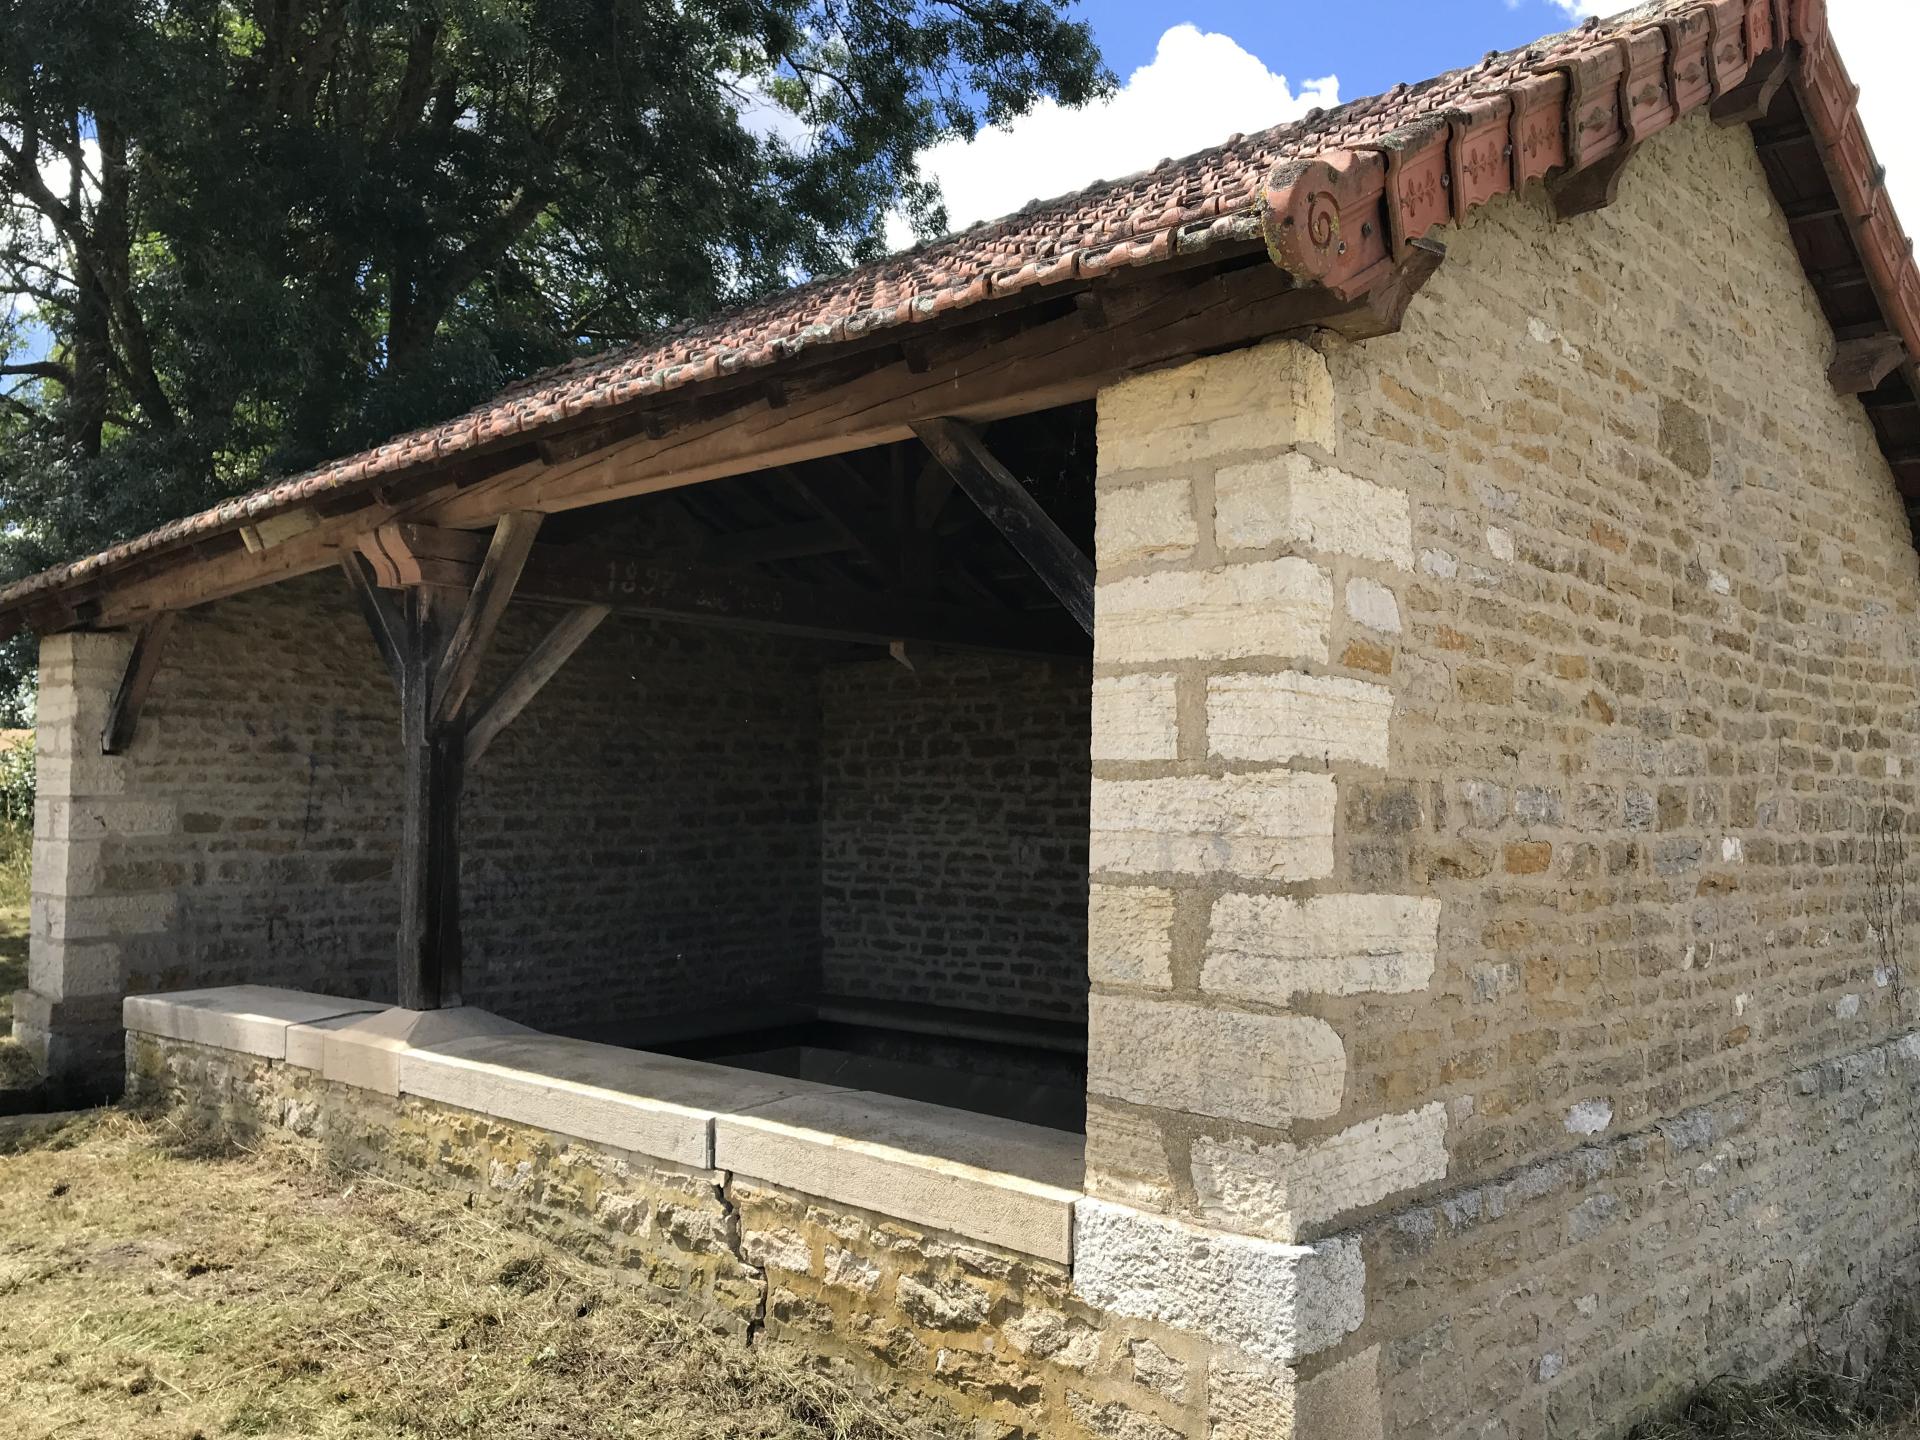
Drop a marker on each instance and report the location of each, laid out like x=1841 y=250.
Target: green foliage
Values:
x=245 y=236
x=17 y=765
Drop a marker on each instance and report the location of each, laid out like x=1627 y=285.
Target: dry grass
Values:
x=1811 y=1404
x=150 y=1287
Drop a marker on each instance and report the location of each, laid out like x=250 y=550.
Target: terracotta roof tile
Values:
x=1432 y=150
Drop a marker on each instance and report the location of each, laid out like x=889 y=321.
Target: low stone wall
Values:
x=993 y=1332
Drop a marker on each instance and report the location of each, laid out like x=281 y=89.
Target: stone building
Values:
x=1409 y=939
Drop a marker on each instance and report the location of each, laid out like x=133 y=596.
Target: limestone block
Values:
x=1267 y=607
x=1275 y=1301
x=60 y=969
x=253 y=1019
x=1292 y=716
x=1373 y=605
x=648 y=1104
x=1263 y=398
x=998 y=1181
x=94 y=817
x=95 y=917
x=1264 y=1069
x=1343 y=1400
x=1271 y=948
x=1145 y=522
x=1248 y=1400
x=1275 y=825
x=1126 y=1157
x=1294 y=500
x=1135 y=717
x=364 y=1050
x=1279 y=1191
x=1130 y=935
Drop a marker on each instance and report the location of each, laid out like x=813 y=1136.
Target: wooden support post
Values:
x=486 y=604
x=1015 y=514
x=430 y=960
x=540 y=666
x=124 y=718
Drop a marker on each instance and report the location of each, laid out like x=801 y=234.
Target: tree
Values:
x=245 y=236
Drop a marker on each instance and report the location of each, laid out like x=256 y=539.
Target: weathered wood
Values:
x=493 y=587
x=1752 y=99
x=1859 y=365
x=1583 y=191
x=429 y=942
x=1059 y=563
x=777 y=542
x=543 y=662
x=1053 y=359
x=123 y=718
x=661 y=587
x=383 y=617
x=835 y=503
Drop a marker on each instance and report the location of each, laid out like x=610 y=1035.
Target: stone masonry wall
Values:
x=610 y=831
x=1502 y=739
x=954 y=833
x=249 y=833
x=991 y=1334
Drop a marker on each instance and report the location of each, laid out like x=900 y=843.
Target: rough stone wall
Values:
x=1652 y=752
x=1502 y=737
x=248 y=835
x=992 y=1334
x=954 y=833
x=610 y=832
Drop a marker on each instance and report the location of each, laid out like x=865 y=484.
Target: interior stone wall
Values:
x=249 y=833
x=954 y=833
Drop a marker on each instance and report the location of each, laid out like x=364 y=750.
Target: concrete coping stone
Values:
x=997 y=1181
x=252 y=1019
x=1010 y=1184
x=365 y=1050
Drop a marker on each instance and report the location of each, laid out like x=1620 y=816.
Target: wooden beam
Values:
x=1860 y=365
x=667 y=587
x=777 y=542
x=429 y=944
x=123 y=718
x=1035 y=537
x=486 y=604
x=835 y=503
x=1581 y=192
x=383 y=618
x=1752 y=99
x=1051 y=359
x=543 y=662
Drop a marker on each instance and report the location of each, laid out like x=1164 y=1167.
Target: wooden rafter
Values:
x=486 y=605
x=662 y=587
x=123 y=717
x=543 y=662
x=1059 y=563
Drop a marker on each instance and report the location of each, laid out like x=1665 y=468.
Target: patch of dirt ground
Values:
x=153 y=1287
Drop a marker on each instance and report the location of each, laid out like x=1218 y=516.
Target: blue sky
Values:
x=1193 y=72
x=1370 y=44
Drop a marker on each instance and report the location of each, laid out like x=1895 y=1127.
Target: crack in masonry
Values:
x=757 y=1322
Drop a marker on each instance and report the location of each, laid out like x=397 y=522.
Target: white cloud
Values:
x=1198 y=89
